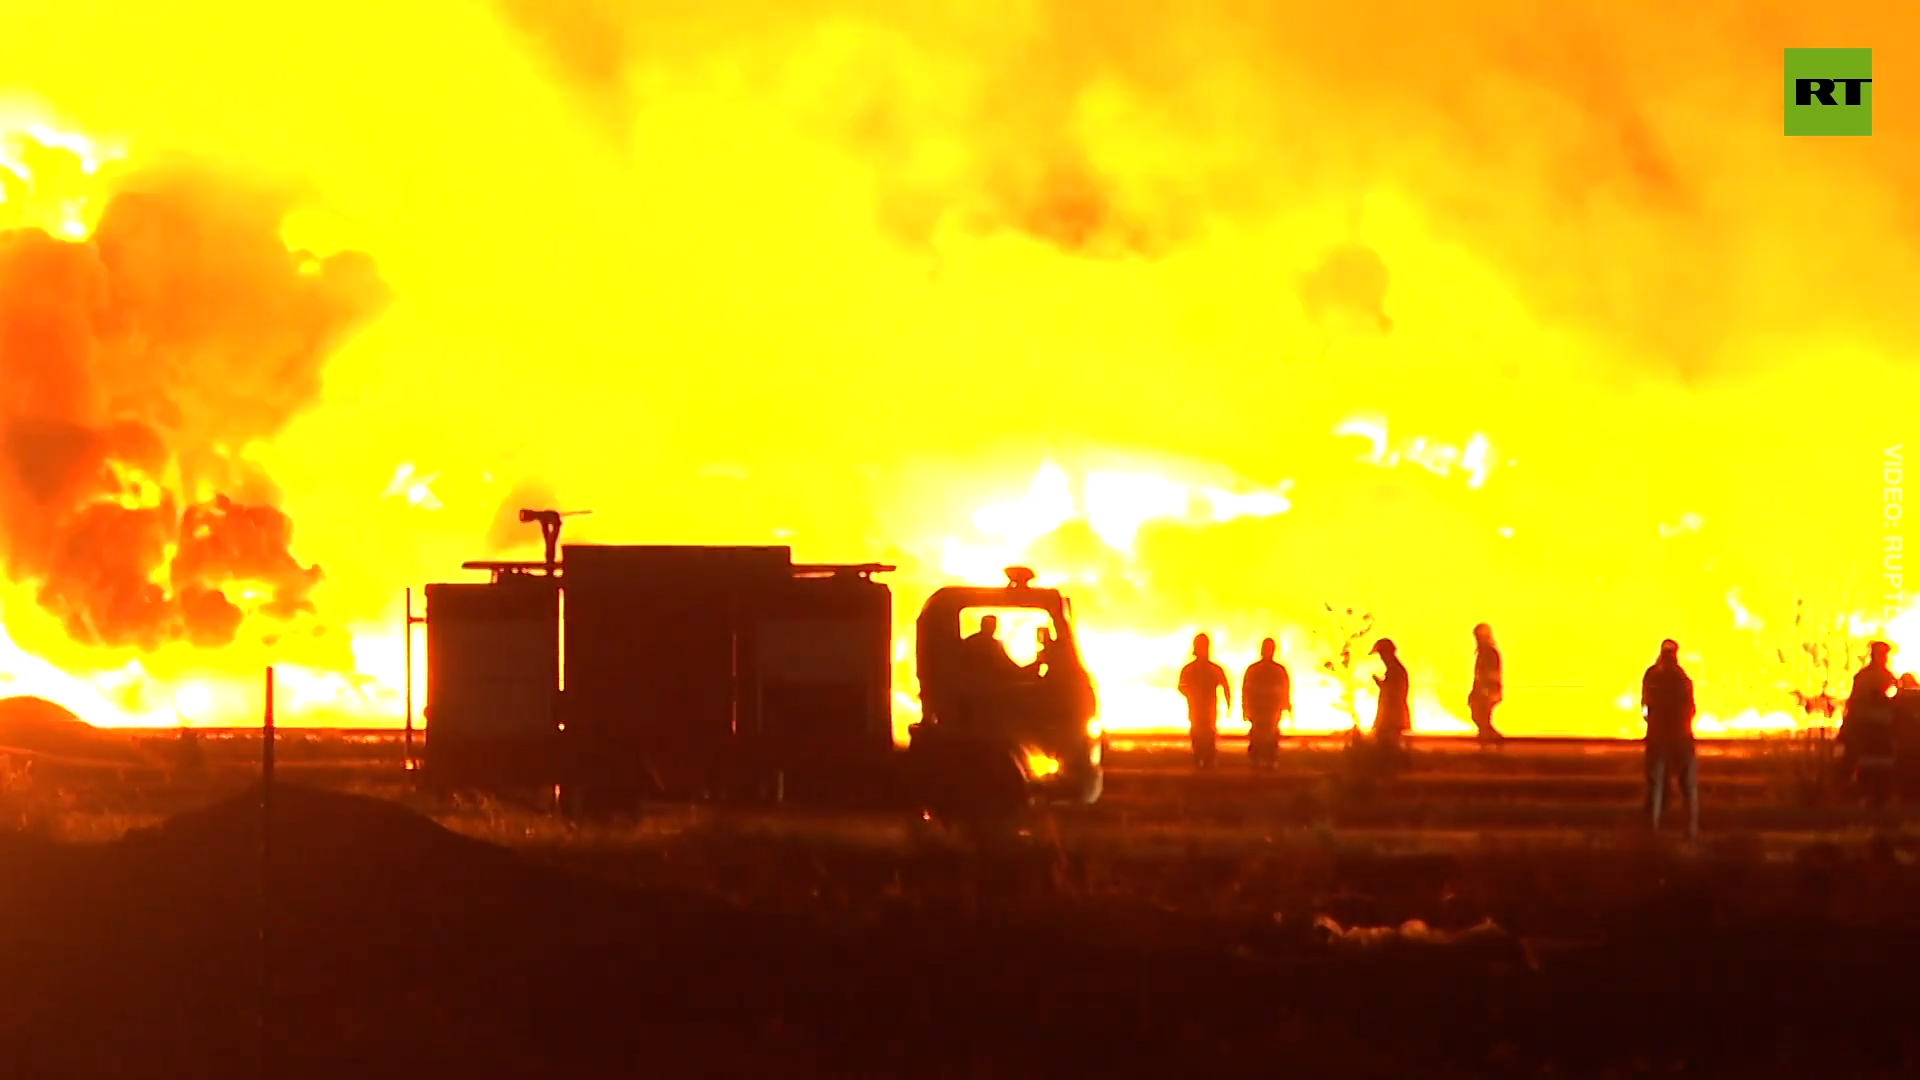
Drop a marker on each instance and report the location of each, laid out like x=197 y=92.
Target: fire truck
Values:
x=621 y=674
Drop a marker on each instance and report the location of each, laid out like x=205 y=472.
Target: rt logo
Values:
x=1829 y=91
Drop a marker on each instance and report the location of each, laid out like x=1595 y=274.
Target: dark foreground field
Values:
x=1250 y=942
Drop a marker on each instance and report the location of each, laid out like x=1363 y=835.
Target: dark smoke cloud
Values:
x=134 y=369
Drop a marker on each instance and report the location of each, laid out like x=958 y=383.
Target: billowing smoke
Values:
x=1214 y=228
x=1623 y=184
x=136 y=369
x=880 y=259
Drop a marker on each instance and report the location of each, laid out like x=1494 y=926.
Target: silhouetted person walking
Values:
x=1666 y=700
x=1202 y=683
x=1393 y=711
x=1266 y=692
x=1866 y=729
x=1486 y=692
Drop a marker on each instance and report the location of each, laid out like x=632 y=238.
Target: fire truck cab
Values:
x=992 y=733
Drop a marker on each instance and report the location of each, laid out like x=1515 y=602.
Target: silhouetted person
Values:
x=1487 y=691
x=1866 y=729
x=988 y=652
x=1666 y=700
x=1202 y=683
x=1393 y=711
x=1266 y=692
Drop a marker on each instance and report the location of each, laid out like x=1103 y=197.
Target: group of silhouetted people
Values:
x=1866 y=737
x=1869 y=728
x=1266 y=697
x=1266 y=694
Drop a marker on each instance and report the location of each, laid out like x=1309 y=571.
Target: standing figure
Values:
x=1666 y=700
x=1266 y=692
x=1393 y=712
x=1866 y=730
x=1486 y=692
x=1202 y=683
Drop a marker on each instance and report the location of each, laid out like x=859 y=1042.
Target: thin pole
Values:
x=266 y=883
x=407 y=629
x=412 y=621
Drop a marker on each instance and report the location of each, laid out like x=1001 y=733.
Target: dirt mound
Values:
x=36 y=710
x=340 y=859
x=376 y=913
x=36 y=726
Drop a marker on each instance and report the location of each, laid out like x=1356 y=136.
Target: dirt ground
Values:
x=1190 y=925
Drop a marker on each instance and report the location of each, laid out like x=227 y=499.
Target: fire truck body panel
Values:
x=700 y=672
x=492 y=668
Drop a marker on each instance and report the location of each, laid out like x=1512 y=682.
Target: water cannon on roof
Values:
x=549 y=521
x=1019 y=577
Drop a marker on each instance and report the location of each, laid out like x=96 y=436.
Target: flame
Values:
x=47 y=178
x=1573 y=345
x=416 y=490
x=1136 y=672
x=1440 y=459
x=1042 y=765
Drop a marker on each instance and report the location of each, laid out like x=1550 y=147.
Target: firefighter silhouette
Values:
x=1266 y=693
x=1203 y=683
x=1866 y=730
x=1487 y=689
x=1666 y=701
x=1393 y=711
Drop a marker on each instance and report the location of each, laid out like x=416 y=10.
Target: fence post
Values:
x=267 y=1017
x=406 y=628
x=412 y=621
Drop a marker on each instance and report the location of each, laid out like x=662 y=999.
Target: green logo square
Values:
x=1829 y=91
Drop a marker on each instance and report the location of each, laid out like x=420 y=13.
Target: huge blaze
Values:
x=1257 y=319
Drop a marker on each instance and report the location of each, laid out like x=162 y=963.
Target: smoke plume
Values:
x=136 y=368
x=1605 y=156
x=883 y=258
